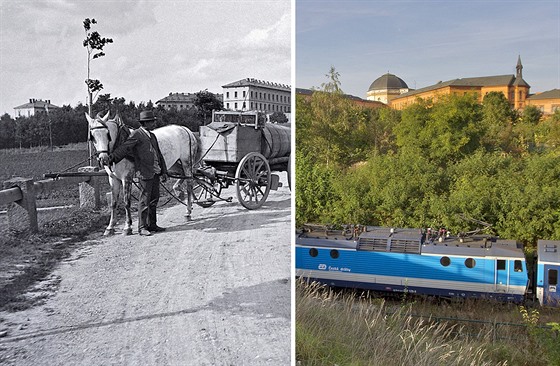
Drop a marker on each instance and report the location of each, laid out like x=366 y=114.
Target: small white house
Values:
x=34 y=106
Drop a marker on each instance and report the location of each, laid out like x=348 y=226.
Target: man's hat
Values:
x=146 y=116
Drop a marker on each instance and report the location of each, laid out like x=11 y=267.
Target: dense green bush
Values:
x=429 y=165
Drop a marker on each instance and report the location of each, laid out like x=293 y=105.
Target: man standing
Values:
x=149 y=163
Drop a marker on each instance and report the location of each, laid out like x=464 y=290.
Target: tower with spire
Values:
x=520 y=86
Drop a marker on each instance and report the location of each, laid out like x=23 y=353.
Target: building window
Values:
x=251 y=94
x=227 y=95
x=227 y=105
x=243 y=105
x=235 y=105
x=235 y=94
x=251 y=105
x=243 y=93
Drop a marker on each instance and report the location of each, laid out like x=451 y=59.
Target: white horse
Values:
x=179 y=147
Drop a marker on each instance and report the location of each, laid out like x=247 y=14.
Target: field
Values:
x=33 y=163
x=335 y=327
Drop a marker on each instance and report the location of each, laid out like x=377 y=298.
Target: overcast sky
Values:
x=424 y=42
x=158 y=47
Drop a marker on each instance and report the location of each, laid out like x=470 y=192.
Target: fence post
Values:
x=89 y=191
x=27 y=206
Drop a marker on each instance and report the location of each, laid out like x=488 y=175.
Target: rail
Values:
x=20 y=194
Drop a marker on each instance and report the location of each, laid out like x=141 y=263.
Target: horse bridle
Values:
x=105 y=127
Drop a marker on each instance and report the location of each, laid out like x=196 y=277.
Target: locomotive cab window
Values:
x=552 y=277
x=470 y=263
x=500 y=265
x=445 y=261
x=313 y=252
x=517 y=266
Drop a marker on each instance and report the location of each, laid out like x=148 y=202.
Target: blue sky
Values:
x=424 y=42
x=160 y=46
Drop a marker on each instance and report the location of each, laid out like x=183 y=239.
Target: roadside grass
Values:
x=348 y=328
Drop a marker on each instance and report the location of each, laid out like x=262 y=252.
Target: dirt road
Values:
x=211 y=291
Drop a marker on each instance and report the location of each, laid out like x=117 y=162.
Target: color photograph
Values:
x=427 y=183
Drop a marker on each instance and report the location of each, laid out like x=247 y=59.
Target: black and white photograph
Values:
x=145 y=163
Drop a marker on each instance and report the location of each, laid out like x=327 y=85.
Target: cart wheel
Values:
x=252 y=180
x=206 y=193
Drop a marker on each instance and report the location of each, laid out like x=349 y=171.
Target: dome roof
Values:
x=388 y=81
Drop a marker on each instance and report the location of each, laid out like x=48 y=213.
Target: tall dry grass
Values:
x=338 y=328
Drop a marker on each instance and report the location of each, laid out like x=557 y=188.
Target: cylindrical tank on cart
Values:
x=275 y=141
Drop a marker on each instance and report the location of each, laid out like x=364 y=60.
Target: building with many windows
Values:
x=180 y=101
x=33 y=107
x=252 y=94
x=514 y=88
x=393 y=91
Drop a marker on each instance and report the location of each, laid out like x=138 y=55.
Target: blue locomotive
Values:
x=422 y=262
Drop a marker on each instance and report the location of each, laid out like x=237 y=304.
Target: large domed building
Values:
x=386 y=88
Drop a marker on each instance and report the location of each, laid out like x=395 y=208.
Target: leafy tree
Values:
x=332 y=128
x=278 y=117
x=7 y=132
x=206 y=102
x=548 y=131
x=94 y=45
x=428 y=164
x=497 y=122
x=103 y=103
x=333 y=85
x=444 y=131
x=531 y=115
x=314 y=195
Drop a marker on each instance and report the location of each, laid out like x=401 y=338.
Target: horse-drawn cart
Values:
x=241 y=148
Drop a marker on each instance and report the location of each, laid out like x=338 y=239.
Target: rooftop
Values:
x=37 y=103
x=256 y=82
x=550 y=94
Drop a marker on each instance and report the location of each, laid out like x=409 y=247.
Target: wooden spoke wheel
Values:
x=252 y=180
x=205 y=192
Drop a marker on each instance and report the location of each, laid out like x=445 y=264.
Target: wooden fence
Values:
x=19 y=194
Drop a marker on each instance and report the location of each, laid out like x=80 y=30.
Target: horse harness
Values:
x=103 y=125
